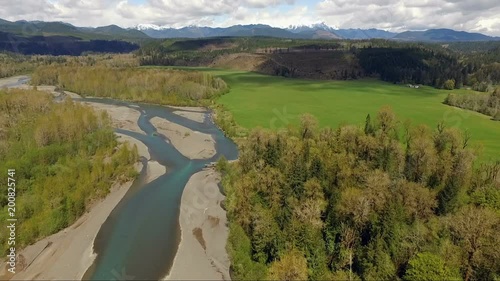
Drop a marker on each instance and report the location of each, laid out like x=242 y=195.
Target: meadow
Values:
x=277 y=102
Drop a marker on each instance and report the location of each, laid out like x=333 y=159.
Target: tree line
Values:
x=65 y=156
x=414 y=65
x=12 y=64
x=398 y=62
x=387 y=201
x=485 y=103
x=161 y=86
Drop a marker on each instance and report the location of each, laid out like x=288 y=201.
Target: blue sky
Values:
x=137 y=2
x=394 y=15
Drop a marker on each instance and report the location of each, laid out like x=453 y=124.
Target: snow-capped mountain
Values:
x=147 y=26
x=343 y=33
x=156 y=31
x=313 y=31
x=318 y=30
x=308 y=27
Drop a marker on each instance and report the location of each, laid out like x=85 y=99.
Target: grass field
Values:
x=274 y=102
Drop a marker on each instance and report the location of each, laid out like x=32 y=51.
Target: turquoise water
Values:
x=140 y=238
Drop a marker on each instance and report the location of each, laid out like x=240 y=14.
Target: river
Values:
x=139 y=240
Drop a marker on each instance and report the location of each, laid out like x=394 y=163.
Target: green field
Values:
x=274 y=102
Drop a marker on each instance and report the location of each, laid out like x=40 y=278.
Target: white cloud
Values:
x=266 y=3
x=398 y=15
x=29 y=9
x=395 y=15
x=296 y=16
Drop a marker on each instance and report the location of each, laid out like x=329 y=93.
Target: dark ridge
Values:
x=61 y=45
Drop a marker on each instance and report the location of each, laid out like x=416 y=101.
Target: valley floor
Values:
x=257 y=100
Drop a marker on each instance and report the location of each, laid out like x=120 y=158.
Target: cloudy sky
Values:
x=394 y=15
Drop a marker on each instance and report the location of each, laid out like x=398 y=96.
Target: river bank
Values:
x=202 y=250
x=195 y=116
x=122 y=117
x=67 y=254
x=14 y=81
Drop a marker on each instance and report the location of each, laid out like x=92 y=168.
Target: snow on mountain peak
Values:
x=318 y=25
x=324 y=26
x=147 y=26
x=292 y=28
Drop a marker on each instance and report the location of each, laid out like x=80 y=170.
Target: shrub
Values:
x=497 y=116
x=449 y=84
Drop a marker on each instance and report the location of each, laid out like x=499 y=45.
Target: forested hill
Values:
x=441 y=66
x=40 y=28
x=61 y=45
x=57 y=38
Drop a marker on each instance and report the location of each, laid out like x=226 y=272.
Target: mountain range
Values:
x=315 y=31
x=40 y=28
x=147 y=31
x=443 y=35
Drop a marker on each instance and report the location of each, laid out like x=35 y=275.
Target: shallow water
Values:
x=140 y=238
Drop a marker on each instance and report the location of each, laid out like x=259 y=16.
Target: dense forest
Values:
x=65 y=157
x=487 y=103
x=61 y=45
x=387 y=201
x=436 y=65
x=413 y=65
x=475 y=47
x=161 y=86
